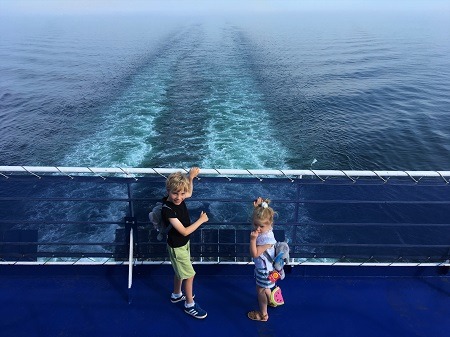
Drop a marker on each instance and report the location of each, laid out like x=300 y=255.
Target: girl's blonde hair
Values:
x=177 y=182
x=263 y=212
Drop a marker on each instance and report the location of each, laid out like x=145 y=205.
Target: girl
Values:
x=262 y=239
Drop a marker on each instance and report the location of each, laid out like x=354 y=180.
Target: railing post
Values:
x=131 y=228
x=130 y=260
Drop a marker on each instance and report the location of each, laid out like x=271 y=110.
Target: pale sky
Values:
x=208 y=6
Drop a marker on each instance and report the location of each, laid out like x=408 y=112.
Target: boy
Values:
x=179 y=187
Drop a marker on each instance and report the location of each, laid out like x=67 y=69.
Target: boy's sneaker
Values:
x=196 y=311
x=182 y=297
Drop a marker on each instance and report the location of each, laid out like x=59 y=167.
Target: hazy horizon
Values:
x=63 y=7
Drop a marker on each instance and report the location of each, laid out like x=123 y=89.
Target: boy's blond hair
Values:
x=177 y=182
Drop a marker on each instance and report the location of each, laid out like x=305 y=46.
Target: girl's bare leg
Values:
x=263 y=299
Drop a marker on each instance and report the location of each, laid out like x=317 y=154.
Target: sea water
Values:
x=327 y=90
x=317 y=89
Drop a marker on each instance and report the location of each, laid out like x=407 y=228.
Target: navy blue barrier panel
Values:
x=368 y=219
x=23 y=244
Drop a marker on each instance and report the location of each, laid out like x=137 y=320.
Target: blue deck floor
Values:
x=320 y=301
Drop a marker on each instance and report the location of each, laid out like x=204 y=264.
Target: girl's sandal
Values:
x=257 y=316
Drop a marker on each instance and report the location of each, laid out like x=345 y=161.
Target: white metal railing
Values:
x=6 y=171
x=130 y=260
x=292 y=262
x=130 y=171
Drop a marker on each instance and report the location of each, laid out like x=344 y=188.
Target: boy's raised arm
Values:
x=193 y=172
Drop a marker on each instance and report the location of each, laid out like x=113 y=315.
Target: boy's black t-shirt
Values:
x=174 y=238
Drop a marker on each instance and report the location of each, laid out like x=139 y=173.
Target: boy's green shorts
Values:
x=180 y=258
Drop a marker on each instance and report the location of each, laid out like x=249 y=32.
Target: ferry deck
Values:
x=337 y=283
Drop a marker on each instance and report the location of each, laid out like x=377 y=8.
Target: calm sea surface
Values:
x=326 y=90
x=321 y=90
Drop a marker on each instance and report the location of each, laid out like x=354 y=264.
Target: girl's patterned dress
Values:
x=262 y=266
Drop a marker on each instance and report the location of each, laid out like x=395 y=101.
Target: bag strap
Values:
x=267 y=255
x=169 y=227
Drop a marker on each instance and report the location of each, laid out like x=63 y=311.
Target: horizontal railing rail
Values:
x=256 y=173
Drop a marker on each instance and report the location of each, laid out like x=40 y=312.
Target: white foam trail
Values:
x=126 y=124
x=239 y=129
